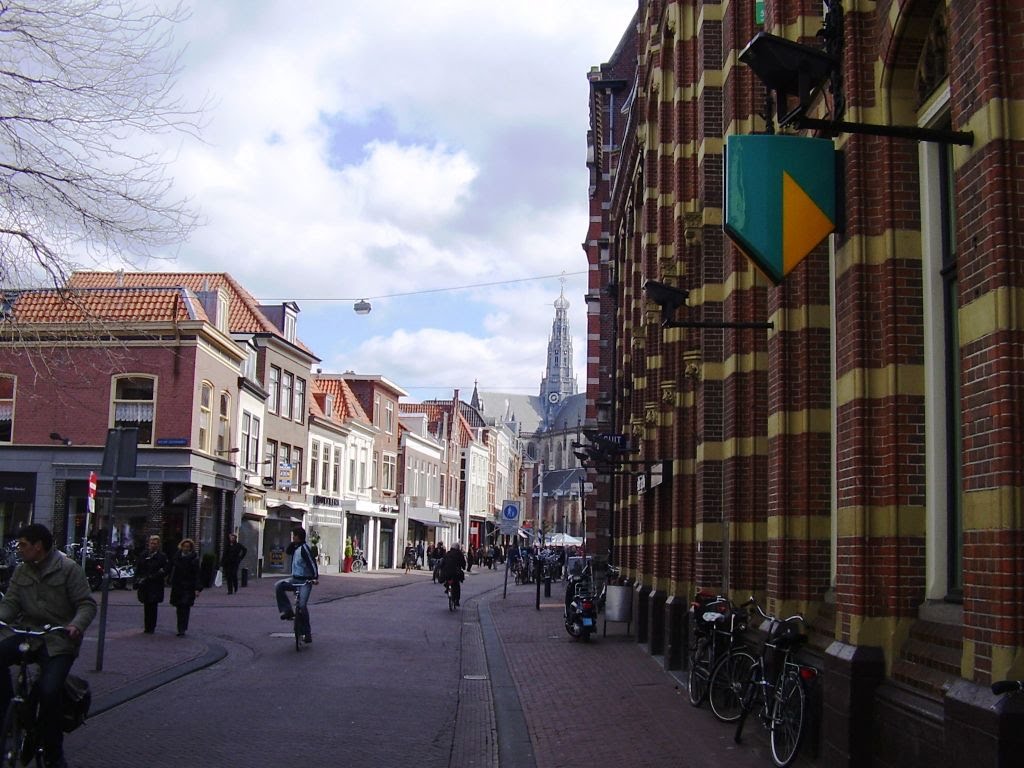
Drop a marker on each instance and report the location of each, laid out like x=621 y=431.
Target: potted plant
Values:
x=347 y=566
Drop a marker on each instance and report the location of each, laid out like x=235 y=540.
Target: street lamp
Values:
x=362 y=307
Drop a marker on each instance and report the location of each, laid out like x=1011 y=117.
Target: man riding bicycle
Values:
x=46 y=589
x=304 y=575
x=452 y=566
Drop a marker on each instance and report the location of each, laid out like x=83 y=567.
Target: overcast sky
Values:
x=365 y=148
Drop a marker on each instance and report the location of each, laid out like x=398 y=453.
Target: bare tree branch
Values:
x=85 y=85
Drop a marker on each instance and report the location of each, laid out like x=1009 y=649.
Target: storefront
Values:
x=282 y=517
x=324 y=528
x=371 y=528
x=17 y=500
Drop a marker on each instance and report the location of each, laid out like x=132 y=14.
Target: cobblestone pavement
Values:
x=392 y=677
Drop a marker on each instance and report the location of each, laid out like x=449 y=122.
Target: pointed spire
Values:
x=475 y=399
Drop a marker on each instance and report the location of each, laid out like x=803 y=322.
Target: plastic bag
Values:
x=218 y=580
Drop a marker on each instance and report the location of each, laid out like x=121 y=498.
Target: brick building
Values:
x=857 y=462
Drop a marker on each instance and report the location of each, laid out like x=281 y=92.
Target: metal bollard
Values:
x=547 y=585
x=245 y=577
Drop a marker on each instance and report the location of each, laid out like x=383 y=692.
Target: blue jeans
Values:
x=292 y=584
x=53 y=670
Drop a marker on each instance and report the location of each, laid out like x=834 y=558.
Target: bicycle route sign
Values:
x=509 y=522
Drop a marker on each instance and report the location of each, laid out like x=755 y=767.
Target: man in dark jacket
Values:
x=452 y=566
x=234 y=553
x=46 y=589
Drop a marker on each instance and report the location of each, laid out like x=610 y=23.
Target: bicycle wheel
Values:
x=451 y=598
x=16 y=746
x=729 y=679
x=700 y=671
x=788 y=718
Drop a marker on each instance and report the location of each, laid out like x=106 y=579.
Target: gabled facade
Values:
x=281 y=368
x=340 y=442
x=77 y=363
x=375 y=529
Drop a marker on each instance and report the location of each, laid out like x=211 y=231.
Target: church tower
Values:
x=558 y=382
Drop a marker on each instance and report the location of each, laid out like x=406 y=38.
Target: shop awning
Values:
x=424 y=517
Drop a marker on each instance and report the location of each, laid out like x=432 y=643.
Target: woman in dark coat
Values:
x=150 y=572
x=185 y=582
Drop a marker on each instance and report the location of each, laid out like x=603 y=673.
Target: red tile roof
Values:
x=106 y=305
x=346 y=405
x=244 y=315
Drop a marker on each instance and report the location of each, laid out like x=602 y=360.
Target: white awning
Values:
x=293 y=505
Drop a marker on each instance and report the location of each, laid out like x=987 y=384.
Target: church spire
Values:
x=559 y=382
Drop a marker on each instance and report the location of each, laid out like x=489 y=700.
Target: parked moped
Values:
x=580 y=604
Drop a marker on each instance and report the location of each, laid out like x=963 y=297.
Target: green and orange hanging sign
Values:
x=780 y=198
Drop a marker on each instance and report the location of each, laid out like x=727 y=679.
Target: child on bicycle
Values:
x=46 y=589
x=304 y=575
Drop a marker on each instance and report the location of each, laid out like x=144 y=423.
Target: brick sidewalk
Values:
x=606 y=702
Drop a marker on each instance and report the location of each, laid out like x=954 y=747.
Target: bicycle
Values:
x=715 y=629
x=300 y=622
x=21 y=741
x=777 y=687
x=358 y=561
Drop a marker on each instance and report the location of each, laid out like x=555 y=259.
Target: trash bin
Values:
x=245 y=577
x=618 y=606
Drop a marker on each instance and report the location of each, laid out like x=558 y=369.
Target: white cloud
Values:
x=471 y=169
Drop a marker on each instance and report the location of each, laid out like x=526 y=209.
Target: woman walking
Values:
x=185 y=582
x=150 y=572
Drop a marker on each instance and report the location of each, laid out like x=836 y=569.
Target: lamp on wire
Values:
x=362 y=307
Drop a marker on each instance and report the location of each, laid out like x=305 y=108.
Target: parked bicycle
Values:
x=716 y=629
x=358 y=561
x=21 y=740
x=777 y=687
x=1007 y=686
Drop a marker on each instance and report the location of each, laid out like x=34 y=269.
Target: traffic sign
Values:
x=510 y=512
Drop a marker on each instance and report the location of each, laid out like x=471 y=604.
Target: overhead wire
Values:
x=425 y=290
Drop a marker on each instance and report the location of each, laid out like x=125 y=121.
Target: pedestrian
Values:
x=150 y=573
x=419 y=554
x=46 y=588
x=234 y=554
x=410 y=557
x=185 y=587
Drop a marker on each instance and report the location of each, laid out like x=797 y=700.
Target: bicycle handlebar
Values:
x=47 y=629
x=1007 y=686
x=752 y=601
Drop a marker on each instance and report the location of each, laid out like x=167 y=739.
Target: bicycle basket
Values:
x=77 y=700
x=701 y=610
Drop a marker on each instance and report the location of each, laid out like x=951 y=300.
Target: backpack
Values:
x=77 y=700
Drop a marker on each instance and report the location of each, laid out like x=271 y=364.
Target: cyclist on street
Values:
x=304 y=575
x=452 y=566
x=46 y=589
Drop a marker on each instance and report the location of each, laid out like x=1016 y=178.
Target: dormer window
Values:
x=290 y=321
x=329 y=405
x=223 y=311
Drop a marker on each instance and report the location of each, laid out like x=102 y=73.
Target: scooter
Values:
x=580 y=608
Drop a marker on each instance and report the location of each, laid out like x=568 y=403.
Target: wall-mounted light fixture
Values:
x=791 y=69
x=670 y=299
x=229 y=450
x=362 y=307
x=60 y=438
